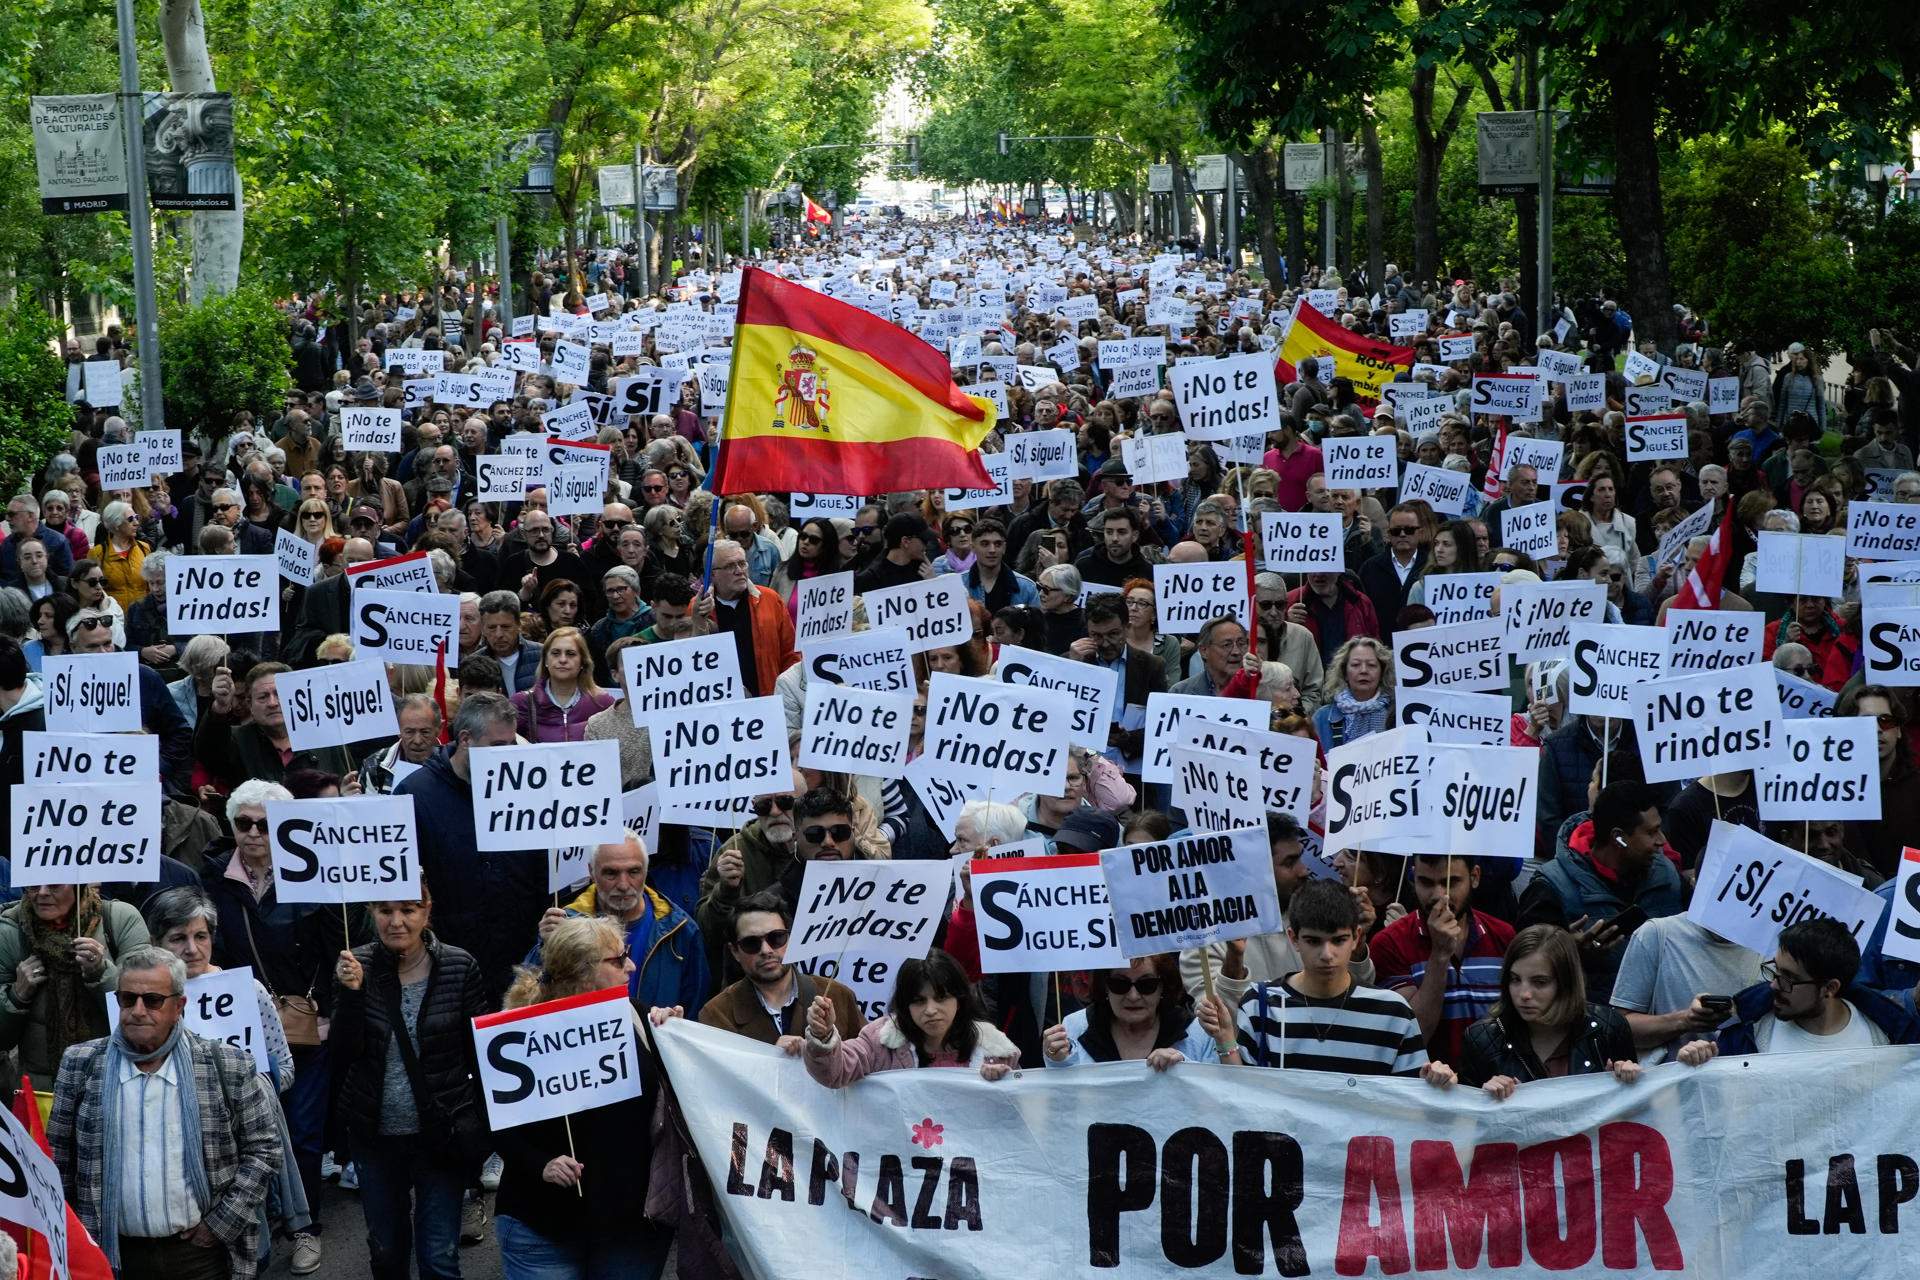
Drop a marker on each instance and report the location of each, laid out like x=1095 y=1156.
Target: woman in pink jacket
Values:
x=564 y=694
x=934 y=1020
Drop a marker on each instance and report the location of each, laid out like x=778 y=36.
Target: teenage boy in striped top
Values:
x=1320 y=1019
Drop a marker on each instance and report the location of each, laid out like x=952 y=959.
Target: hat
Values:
x=372 y=510
x=1383 y=410
x=364 y=392
x=1796 y=348
x=1113 y=467
x=1088 y=831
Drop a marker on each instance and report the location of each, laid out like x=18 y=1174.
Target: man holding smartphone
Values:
x=1676 y=984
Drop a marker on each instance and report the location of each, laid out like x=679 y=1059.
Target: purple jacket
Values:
x=541 y=719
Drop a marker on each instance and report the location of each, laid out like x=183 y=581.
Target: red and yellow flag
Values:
x=827 y=398
x=814 y=212
x=1369 y=363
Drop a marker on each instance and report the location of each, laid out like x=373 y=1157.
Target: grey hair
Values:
x=16 y=611
x=500 y=602
x=154 y=567
x=255 y=793
x=480 y=711
x=411 y=701
x=1719 y=472
x=27 y=500
x=444 y=568
x=1207 y=628
x=224 y=495
x=146 y=957
x=115 y=514
x=1265 y=580
x=996 y=821
x=1790 y=653
x=204 y=654
x=52 y=496
x=1064 y=577
x=470 y=598
x=624 y=573
x=1274 y=677
x=172 y=909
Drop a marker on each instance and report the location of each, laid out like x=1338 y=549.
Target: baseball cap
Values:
x=1088 y=831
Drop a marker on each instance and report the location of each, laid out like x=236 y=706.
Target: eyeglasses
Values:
x=313 y=515
x=615 y=524
x=226 y=506
x=653 y=488
x=810 y=537
x=1885 y=721
x=862 y=530
x=1269 y=606
x=1145 y=986
x=1805 y=669
x=839 y=832
x=767 y=804
x=153 y=1000
x=249 y=824
x=620 y=957
x=1401 y=531
x=1135 y=602
x=959 y=528
x=753 y=943
x=1779 y=982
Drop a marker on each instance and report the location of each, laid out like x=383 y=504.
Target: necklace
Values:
x=1322 y=1029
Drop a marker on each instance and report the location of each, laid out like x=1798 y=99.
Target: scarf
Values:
x=119 y=1055
x=1362 y=718
x=74 y=1014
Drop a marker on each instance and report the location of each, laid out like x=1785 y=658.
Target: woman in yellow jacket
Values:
x=120 y=553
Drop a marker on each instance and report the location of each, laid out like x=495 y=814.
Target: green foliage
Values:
x=1886 y=288
x=34 y=418
x=1745 y=249
x=227 y=354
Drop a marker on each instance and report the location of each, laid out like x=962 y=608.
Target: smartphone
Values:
x=1629 y=920
x=1719 y=1004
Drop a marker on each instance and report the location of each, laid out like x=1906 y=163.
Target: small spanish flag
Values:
x=1367 y=362
x=814 y=212
x=827 y=398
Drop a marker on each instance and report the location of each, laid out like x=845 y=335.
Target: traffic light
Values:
x=913 y=153
x=1004 y=148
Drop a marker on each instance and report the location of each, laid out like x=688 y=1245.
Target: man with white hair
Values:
x=23 y=522
x=146 y=625
x=669 y=957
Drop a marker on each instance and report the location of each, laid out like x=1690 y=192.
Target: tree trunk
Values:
x=1376 y=202
x=1296 y=234
x=1263 y=182
x=1636 y=193
x=1342 y=207
x=216 y=235
x=1125 y=209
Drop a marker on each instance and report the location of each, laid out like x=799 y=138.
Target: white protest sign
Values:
x=410 y=572
x=1831 y=771
x=1302 y=542
x=506 y=477
x=164 y=452
x=1656 y=436
x=1540 y=618
x=1360 y=462
x=1286 y=763
x=222 y=595
x=337 y=705
x=1222 y=398
x=1750 y=889
x=1640 y=401
x=33 y=1195
x=369 y=429
x=1902 y=571
x=1133 y=380
x=1800 y=564
x=1608 y=660
x=1092 y=687
x=88 y=757
x=1683 y=384
x=92 y=692
x=1484 y=800
x=404 y=626
x=720 y=751
x=557 y=1058
x=1190 y=595
x=569 y=422
x=569 y=362
x=1530 y=530
x=1374 y=790
x=1544 y=456
x=1217 y=790
x=1709 y=640
x=1451 y=717
x=551 y=794
x=1008 y=738
x=123 y=466
x=1407 y=324
x=1154 y=459
x=1461 y=597
x=65 y=833
x=849 y=730
x=1723 y=395
x=1043 y=914
x=1443 y=490
x=999 y=470
x=297 y=558
x=933 y=613
x=1175 y=895
x=878 y=910
x=1456 y=346
x=823 y=504
x=565 y=453
x=825 y=606
x=358 y=849
x=1892 y=647
x=646 y=391
x=1718 y=722
x=944 y=797
x=1465 y=657
x=1168 y=715
x=1639 y=368
x=1883 y=531
x=576 y=489
x=1556 y=366
x=1508 y=394
x=1044 y=455
x=1803 y=699
x=1587 y=393
x=1903 y=925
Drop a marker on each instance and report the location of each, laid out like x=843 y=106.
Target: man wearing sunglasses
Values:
x=669 y=958
x=222 y=1138
x=770 y=1003
x=1807 y=999
x=753 y=860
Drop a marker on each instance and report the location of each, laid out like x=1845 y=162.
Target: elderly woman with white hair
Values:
x=203 y=658
x=120 y=554
x=1060 y=602
x=147 y=632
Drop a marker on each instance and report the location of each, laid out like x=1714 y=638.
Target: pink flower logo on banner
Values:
x=927 y=1134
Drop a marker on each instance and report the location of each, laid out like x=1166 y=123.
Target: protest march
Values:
x=562 y=771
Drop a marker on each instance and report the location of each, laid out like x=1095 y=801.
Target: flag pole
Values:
x=715 y=476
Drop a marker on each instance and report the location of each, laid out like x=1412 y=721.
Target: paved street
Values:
x=346 y=1245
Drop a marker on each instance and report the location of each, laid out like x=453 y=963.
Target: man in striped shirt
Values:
x=1320 y=1019
x=1445 y=959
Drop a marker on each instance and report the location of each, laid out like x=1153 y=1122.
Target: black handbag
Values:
x=460 y=1136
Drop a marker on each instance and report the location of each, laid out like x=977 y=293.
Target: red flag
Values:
x=1493 y=486
x=85 y=1261
x=1707 y=578
x=814 y=212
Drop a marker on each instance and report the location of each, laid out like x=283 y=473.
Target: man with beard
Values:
x=1809 y=1001
x=1445 y=958
x=669 y=959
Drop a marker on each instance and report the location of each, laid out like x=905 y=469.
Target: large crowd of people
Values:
x=1468 y=971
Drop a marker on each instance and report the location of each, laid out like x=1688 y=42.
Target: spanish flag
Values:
x=1368 y=362
x=814 y=212
x=827 y=398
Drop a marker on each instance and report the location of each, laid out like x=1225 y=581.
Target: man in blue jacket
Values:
x=1810 y=1000
x=669 y=959
x=1898 y=980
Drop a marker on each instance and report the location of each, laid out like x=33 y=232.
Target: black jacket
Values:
x=1495 y=1048
x=1383 y=586
x=290 y=946
x=363 y=1028
x=323 y=613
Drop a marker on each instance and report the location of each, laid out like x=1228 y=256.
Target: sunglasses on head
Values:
x=767 y=804
x=753 y=943
x=840 y=831
x=1145 y=986
x=153 y=1000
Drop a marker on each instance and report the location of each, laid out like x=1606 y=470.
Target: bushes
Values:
x=35 y=420
x=226 y=354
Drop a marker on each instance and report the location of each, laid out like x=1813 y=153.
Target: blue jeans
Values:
x=306 y=1110
x=628 y=1252
x=412 y=1205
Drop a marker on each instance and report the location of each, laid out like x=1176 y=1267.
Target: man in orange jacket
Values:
x=755 y=616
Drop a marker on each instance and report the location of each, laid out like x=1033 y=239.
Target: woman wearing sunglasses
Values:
x=1137 y=1014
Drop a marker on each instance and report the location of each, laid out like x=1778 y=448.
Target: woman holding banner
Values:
x=935 y=1019
x=1543 y=1025
x=570 y=1193
x=1138 y=1014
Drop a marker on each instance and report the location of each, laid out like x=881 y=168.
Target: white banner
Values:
x=298 y=559
x=678 y=675
x=506 y=477
x=68 y=834
x=880 y=659
x=1608 y=660
x=541 y=796
x=1167 y=713
x=1301 y=542
x=825 y=606
x=1461 y=719
x=403 y=626
x=1221 y=398
x=1285 y=763
x=1217 y=790
x=1443 y=490
x=89 y=757
x=1092 y=687
x=1541 y=618
x=1465 y=657
x=1751 y=888
x=1892 y=647
x=377 y=430
x=1708 y=640
x=410 y=572
x=1174 y=895
x=357 y=849
x=1882 y=531
x=337 y=705
x=1461 y=597
x=1044 y=455
x=1043 y=914
x=849 y=730
x=123 y=466
x=92 y=692
x=31 y=1193
x=1903 y=922
x=1656 y=437
x=720 y=751
x=222 y=595
x=1010 y=738
x=1190 y=595
x=932 y=613
x=1121 y=1173
x=1374 y=790
x=1361 y=462
x=876 y=909
x=557 y=1058
x=1719 y=722
x=1831 y=772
